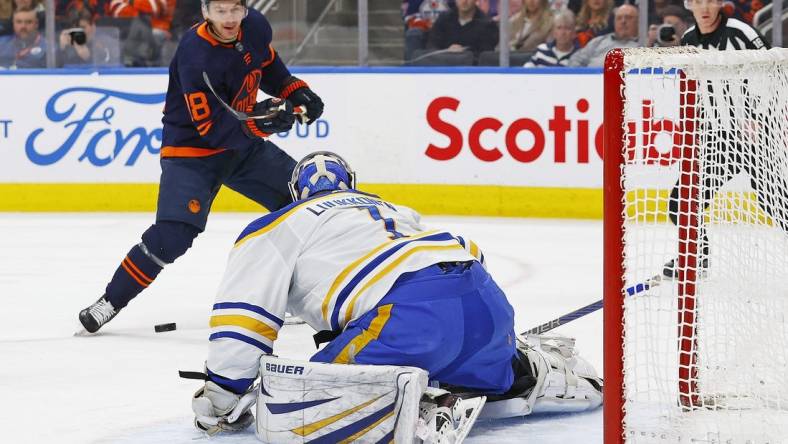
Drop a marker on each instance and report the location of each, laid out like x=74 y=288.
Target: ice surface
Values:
x=122 y=386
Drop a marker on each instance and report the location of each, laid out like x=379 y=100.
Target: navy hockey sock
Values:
x=135 y=273
x=161 y=244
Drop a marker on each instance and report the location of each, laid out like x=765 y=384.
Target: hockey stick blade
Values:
x=590 y=308
x=300 y=112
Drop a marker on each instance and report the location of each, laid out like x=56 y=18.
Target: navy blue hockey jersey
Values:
x=195 y=123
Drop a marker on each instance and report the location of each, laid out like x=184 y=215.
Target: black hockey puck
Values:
x=164 y=327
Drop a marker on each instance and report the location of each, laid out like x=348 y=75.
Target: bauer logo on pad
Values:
x=288 y=369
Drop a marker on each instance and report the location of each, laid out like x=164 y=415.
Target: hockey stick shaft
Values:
x=590 y=308
x=299 y=111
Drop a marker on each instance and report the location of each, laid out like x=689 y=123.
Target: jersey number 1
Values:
x=388 y=223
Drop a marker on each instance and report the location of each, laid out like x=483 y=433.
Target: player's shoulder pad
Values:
x=274 y=218
x=256 y=22
x=266 y=222
x=192 y=49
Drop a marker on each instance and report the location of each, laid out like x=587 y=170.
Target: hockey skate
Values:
x=445 y=418
x=97 y=314
x=549 y=377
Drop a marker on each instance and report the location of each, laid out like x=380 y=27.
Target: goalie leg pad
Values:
x=565 y=382
x=301 y=401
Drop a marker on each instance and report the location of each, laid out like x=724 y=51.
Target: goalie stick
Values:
x=299 y=111
x=590 y=308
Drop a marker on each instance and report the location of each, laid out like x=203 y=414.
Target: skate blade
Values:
x=471 y=409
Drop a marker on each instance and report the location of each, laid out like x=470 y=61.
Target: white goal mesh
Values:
x=703 y=175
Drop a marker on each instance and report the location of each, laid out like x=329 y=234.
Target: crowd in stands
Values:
x=437 y=32
x=95 y=32
x=543 y=33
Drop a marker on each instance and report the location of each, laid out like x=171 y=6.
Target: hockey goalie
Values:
x=421 y=340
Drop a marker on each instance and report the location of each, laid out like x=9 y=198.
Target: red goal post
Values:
x=683 y=128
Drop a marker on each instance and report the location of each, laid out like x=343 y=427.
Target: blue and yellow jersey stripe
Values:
x=245 y=322
x=471 y=247
x=385 y=260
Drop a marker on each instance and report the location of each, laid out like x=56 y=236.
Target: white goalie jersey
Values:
x=328 y=259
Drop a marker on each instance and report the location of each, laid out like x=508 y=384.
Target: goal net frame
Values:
x=689 y=216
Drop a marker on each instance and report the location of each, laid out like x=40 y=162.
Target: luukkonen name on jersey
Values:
x=355 y=201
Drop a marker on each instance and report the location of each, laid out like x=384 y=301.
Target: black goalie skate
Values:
x=97 y=314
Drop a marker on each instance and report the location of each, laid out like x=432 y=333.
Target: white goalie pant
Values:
x=565 y=382
x=302 y=401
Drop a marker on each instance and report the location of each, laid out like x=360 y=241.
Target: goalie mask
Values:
x=321 y=171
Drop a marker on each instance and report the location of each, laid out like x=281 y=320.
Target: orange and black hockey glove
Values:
x=268 y=117
x=298 y=92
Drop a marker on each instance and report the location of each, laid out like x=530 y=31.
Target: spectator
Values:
x=564 y=44
x=159 y=11
x=744 y=10
x=419 y=17
x=185 y=15
x=491 y=8
x=26 y=48
x=425 y=14
x=624 y=36
x=97 y=7
x=149 y=30
x=675 y=22
x=594 y=19
x=462 y=28
x=82 y=45
x=531 y=26
x=5 y=17
x=488 y=7
x=516 y=6
x=35 y=5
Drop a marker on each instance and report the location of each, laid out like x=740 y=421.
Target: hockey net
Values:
x=701 y=357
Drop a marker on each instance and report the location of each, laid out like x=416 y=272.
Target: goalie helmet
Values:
x=321 y=171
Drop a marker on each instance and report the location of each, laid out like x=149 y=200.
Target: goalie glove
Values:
x=298 y=92
x=279 y=118
x=219 y=410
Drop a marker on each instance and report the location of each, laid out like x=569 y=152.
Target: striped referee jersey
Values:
x=731 y=34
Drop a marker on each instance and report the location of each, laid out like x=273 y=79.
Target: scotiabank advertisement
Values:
x=510 y=128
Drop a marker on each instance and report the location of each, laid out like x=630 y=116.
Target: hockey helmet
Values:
x=321 y=171
x=206 y=2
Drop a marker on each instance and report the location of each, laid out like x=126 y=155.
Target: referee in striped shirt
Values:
x=715 y=30
x=729 y=153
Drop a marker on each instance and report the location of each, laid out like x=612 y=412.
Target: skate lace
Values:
x=102 y=311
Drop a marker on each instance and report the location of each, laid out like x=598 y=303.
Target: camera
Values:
x=78 y=36
x=665 y=34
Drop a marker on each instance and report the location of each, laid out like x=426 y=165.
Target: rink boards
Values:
x=485 y=141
